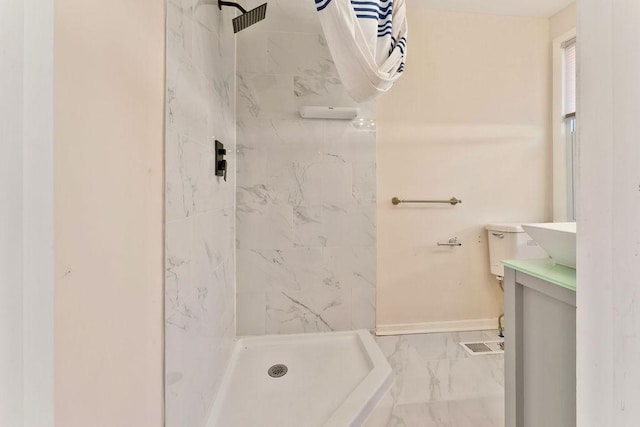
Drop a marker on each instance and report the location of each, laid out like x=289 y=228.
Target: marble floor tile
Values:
x=438 y=384
x=485 y=412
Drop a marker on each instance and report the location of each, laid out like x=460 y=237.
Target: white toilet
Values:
x=509 y=241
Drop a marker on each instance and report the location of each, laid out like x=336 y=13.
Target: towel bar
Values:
x=452 y=201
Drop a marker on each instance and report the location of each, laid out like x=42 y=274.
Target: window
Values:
x=564 y=127
x=569 y=103
x=569 y=77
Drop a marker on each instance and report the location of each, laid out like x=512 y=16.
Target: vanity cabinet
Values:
x=540 y=344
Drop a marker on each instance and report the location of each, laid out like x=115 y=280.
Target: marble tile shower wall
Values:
x=306 y=193
x=200 y=235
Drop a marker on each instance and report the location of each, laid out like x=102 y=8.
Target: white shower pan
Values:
x=332 y=379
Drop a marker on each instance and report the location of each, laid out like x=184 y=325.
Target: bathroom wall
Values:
x=109 y=110
x=607 y=319
x=306 y=218
x=470 y=119
x=11 y=223
x=26 y=214
x=200 y=262
x=563 y=21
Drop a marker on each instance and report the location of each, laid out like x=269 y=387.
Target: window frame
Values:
x=563 y=209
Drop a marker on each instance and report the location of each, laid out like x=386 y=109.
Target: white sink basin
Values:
x=557 y=238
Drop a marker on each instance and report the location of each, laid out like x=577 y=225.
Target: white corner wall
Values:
x=11 y=78
x=26 y=213
x=109 y=114
x=470 y=118
x=608 y=343
x=38 y=207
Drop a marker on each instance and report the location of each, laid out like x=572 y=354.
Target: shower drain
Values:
x=277 y=371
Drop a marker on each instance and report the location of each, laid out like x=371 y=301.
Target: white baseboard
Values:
x=432 y=327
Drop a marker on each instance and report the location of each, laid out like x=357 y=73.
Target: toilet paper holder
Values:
x=452 y=242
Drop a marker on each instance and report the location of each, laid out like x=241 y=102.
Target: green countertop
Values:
x=545 y=269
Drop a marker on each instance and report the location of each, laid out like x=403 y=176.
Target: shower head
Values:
x=247 y=18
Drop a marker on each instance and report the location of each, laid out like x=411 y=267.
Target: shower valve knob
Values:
x=221 y=163
x=223 y=166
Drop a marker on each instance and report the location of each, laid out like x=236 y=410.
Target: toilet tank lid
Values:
x=506 y=227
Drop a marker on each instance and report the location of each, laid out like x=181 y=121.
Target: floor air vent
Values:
x=483 y=347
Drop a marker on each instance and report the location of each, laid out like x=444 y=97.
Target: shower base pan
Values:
x=325 y=379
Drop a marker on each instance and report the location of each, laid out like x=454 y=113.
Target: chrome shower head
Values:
x=247 y=18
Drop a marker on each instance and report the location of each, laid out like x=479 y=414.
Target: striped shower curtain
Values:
x=368 y=43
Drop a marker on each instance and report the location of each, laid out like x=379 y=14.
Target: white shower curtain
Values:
x=368 y=43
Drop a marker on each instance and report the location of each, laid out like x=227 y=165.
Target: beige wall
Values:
x=562 y=21
x=470 y=119
x=109 y=104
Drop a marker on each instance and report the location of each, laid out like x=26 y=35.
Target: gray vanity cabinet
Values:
x=540 y=351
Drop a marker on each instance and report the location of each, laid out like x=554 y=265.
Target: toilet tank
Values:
x=509 y=241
